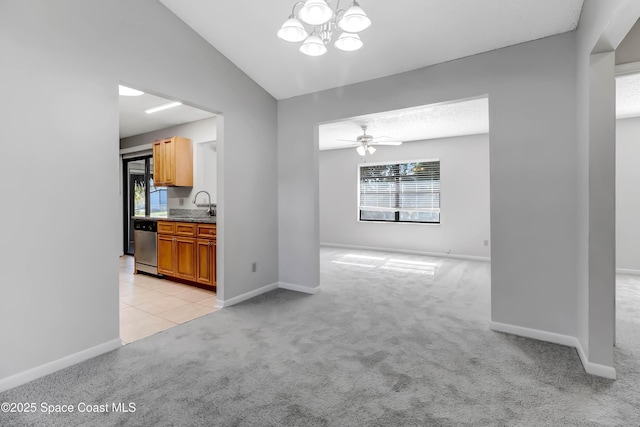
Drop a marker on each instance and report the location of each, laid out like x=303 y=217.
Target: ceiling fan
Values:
x=365 y=143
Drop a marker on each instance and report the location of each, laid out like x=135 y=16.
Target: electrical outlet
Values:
x=181 y=201
x=254 y=267
x=486 y=243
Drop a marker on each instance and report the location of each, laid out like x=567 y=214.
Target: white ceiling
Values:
x=134 y=121
x=429 y=32
x=468 y=117
x=404 y=35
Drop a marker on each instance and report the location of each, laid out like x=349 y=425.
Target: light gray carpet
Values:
x=384 y=344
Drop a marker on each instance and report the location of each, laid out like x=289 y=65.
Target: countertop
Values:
x=202 y=219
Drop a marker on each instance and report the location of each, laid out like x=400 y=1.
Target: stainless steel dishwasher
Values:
x=145 y=247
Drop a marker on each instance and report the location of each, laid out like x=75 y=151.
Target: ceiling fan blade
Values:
x=346 y=146
x=386 y=143
x=347 y=140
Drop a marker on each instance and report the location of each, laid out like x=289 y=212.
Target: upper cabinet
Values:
x=173 y=162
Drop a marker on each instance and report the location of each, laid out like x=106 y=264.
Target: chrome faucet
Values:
x=210 y=211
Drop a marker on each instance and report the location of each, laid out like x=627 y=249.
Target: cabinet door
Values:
x=206 y=266
x=166 y=227
x=169 y=158
x=165 y=254
x=158 y=164
x=185 y=265
x=214 y=272
x=163 y=162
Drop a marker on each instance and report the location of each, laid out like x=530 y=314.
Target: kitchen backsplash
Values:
x=191 y=213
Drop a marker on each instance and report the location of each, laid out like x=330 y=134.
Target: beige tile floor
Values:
x=149 y=305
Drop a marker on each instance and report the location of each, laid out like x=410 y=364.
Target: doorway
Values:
x=141 y=198
x=399 y=213
x=150 y=304
x=627 y=203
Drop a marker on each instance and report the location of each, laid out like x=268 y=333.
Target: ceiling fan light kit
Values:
x=366 y=142
x=325 y=21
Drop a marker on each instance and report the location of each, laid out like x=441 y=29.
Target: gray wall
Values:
x=198 y=131
x=629 y=49
x=628 y=194
x=63 y=62
x=464 y=198
x=602 y=27
x=532 y=102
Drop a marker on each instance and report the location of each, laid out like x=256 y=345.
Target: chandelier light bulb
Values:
x=361 y=150
x=315 y=12
x=292 y=30
x=354 y=19
x=348 y=42
x=316 y=24
x=313 y=46
x=371 y=150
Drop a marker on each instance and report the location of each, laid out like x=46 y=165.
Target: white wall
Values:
x=532 y=103
x=627 y=51
x=602 y=27
x=199 y=131
x=59 y=166
x=464 y=170
x=628 y=194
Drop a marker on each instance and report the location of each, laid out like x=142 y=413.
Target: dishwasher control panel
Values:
x=145 y=225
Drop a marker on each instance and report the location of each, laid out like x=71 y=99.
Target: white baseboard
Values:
x=594 y=368
x=248 y=295
x=299 y=288
x=569 y=341
x=56 y=365
x=627 y=271
x=407 y=251
x=535 y=334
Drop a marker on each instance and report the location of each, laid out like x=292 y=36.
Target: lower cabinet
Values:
x=206 y=254
x=206 y=262
x=187 y=251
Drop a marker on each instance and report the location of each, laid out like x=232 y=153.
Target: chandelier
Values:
x=324 y=21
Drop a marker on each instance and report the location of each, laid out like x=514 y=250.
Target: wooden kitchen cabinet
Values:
x=173 y=162
x=206 y=265
x=187 y=251
x=165 y=255
x=185 y=264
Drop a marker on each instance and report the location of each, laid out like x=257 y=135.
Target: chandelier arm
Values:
x=339 y=13
x=293 y=9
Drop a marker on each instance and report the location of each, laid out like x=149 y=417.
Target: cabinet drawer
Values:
x=207 y=231
x=185 y=229
x=166 y=227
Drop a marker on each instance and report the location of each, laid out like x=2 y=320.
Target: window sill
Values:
x=399 y=222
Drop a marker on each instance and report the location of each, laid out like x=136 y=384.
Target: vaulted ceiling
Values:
x=404 y=35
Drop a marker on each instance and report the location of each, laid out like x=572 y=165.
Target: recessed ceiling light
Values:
x=162 y=107
x=127 y=91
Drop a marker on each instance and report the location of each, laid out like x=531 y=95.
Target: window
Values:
x=400 y=192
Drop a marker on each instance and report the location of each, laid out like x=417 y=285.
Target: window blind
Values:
x=400 y=192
